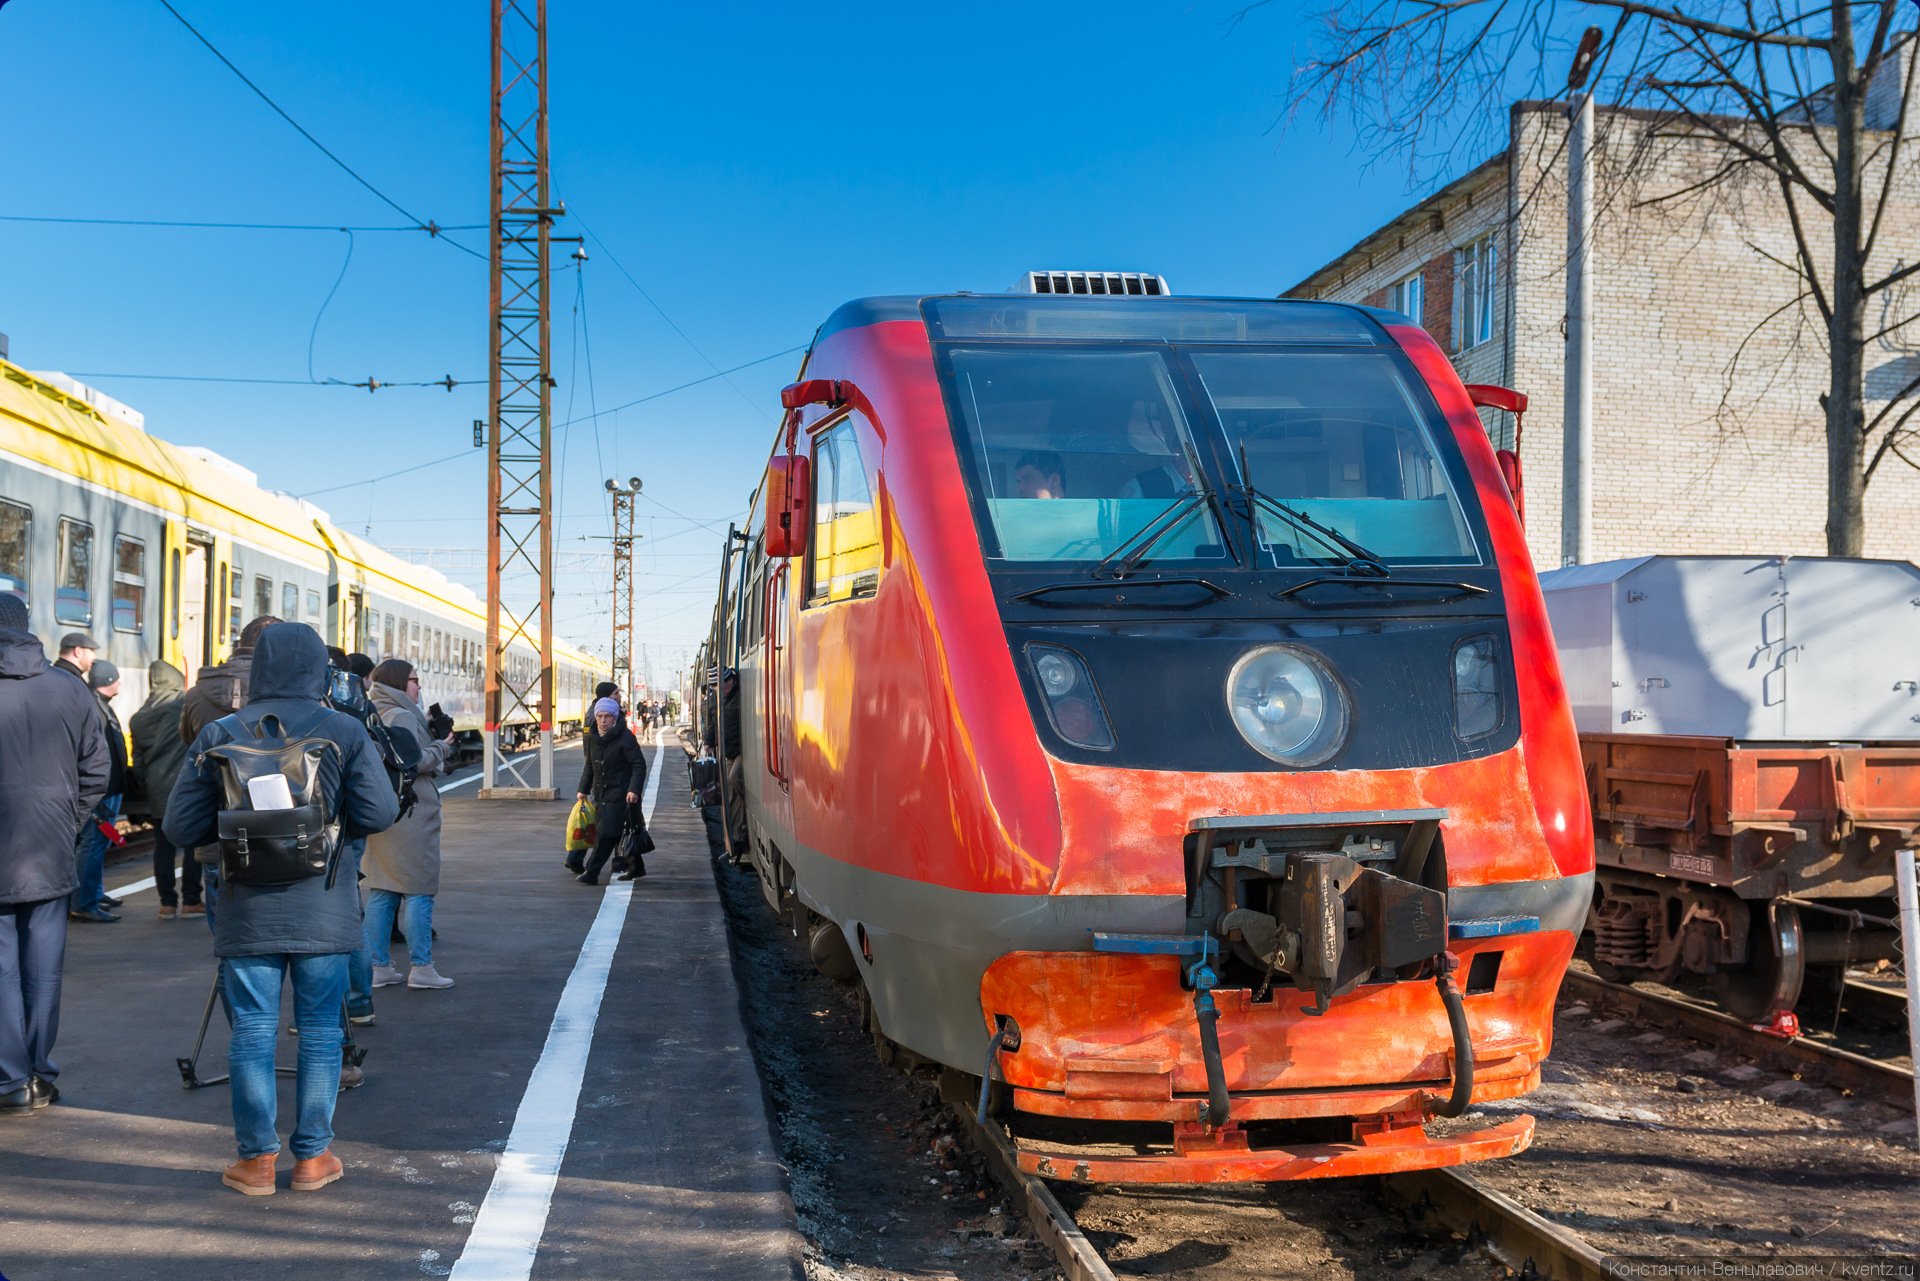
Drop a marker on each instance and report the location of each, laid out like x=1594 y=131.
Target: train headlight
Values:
x=1288 y=705
x=1073 y=704
x=1476 y=687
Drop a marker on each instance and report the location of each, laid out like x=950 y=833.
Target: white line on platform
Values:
x=121 y=891
x=512 y=1220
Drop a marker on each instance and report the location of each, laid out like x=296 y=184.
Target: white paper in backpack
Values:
x=270 y=792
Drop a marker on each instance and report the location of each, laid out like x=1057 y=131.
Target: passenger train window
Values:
x=16 y=537
x=73 y=559
x=846 y=539
x=234 y=607
x=313 y=605
x=262 y=596
x=290 y=601
x=386 y=635
x=129 y=584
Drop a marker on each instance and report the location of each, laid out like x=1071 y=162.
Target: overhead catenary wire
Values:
x=423 y=224
x=448 y=383
x=226 y=226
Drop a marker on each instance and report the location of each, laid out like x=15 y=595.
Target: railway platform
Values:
x=582 y=1103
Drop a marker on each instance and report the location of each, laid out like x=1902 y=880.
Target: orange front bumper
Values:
x=1222 y=1156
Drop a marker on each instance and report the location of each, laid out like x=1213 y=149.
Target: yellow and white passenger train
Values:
x=164 y=552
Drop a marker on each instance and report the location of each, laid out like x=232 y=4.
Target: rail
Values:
x=1811 y=1060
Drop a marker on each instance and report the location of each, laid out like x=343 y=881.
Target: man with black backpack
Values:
x=279 y=788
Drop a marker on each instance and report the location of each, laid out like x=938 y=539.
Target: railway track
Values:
x=1803 y=1058
x=1447 y=1203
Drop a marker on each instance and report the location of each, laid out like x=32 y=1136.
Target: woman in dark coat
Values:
x=614 y=777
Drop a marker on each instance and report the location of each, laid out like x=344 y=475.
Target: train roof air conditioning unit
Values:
x=1131 y=283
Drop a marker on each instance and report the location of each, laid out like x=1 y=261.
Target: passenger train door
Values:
x=193 y=588
x=778 y=694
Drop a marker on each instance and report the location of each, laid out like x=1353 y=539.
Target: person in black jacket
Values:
x=613 y=778
x=305 y=929
x=53 y=771
x=89 y=901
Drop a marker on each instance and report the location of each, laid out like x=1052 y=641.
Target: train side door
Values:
x=778 y=693
x=193 y=589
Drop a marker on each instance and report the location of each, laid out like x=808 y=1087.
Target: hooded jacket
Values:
x=216 y=691
x=288 y=680
x=53 y=770
x=116 y=746
x=406 y=857
x=158 y=751
x=615 y=765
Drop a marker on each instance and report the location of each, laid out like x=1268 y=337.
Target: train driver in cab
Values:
x=1039 y=473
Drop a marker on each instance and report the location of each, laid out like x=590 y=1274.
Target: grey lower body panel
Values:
x=932 y=944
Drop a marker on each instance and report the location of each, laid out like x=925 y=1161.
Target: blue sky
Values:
x=752 y=166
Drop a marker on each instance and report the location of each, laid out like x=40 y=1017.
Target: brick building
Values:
x=1708 y=430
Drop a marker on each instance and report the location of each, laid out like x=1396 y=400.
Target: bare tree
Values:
x=1813 y=97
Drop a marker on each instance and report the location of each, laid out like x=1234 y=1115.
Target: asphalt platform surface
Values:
x=669 y=1170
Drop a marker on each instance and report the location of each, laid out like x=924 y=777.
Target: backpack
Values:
x=278 y=845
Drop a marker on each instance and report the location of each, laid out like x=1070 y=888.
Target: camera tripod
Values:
x=190 y=1077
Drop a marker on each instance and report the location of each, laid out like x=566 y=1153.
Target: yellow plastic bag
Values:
x=581 y=833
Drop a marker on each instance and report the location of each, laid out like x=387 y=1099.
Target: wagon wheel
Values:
x=1776 y=966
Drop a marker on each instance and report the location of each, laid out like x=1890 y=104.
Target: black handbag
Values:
x=635 y=842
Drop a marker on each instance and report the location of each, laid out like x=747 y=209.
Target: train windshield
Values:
x=1079 y=453
x=1338 y=437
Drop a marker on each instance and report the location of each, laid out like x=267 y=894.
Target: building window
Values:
x=72 y=591
x=1474 y=276
x=129 y=584
x=16 y=536
x=263 y=596
x=290 y=602
x=1409 y=298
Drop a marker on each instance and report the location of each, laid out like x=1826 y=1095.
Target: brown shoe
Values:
x=194 y=909
x=251 y=1176
x=169 y=912
x=351 y=1075
x=316 y=1172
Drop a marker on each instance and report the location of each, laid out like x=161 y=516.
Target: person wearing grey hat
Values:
x=53 y=768
x=76 y=654
x=89 y=901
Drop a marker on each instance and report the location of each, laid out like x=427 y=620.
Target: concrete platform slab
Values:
x=668 y=1168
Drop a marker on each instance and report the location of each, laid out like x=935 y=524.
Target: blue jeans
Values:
x=33 y=949
x=416 y=924
x=90 y=852
x=253 y=989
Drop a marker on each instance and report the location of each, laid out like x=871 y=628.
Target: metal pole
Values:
x=1904 y=875
x=1576 y=515
x=491 y=680
x=623 y=589
x=548 y=690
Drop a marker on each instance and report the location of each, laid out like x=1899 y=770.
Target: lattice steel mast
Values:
x=623 y=586
x=519 y=479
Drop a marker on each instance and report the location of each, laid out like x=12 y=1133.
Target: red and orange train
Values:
x=1149 y=702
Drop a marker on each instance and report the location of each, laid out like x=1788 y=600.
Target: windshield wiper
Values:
x=1133 y=550
x=1364 y=562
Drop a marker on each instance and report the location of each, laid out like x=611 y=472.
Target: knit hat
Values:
x=13 y=611
x=102 y=674
x=606 y=706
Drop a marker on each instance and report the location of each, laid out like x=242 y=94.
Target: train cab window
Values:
x=846 y=537
x=129 y=584
x=72 y=590
x=262 y=595
x=1338 y=436
x=290 y=601
x=1076 y=453
x=16 y=538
